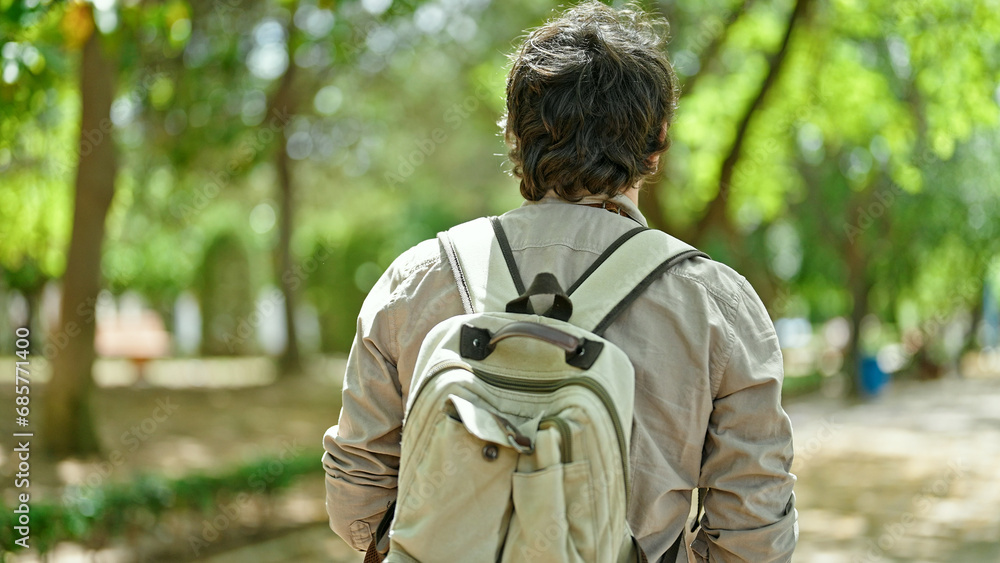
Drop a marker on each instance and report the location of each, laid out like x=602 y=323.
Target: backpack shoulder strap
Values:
x=483 y=264
x=622 y=273
x=488 y=278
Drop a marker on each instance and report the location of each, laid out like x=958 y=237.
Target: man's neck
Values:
x=632 y=194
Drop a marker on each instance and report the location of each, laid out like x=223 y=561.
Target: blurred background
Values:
x=195 y=198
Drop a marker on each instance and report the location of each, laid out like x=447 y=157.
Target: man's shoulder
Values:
x=724 y=284
x=421 y=257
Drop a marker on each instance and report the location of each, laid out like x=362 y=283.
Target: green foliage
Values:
x=115 y=510
x=802 y=385
x=391 y=132
x=860 y=145
x=345 y=262
x=226 y=297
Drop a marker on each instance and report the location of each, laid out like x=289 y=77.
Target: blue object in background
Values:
x=991 y=317
x=873 y=379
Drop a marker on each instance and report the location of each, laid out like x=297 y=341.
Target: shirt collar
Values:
x=621 y=200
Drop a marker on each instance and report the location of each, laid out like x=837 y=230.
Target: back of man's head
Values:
x=589 y=98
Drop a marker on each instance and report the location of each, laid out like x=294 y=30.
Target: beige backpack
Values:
x=516 y=434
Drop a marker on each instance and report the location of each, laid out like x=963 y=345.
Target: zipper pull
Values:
x=521 y=443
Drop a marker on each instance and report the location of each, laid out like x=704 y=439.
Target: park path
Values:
x=913 y=476
x=315 y=544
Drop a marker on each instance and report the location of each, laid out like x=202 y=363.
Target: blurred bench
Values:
x=139 y=338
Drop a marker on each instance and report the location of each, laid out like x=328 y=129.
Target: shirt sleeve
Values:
x=749 y=505
x=361 y=456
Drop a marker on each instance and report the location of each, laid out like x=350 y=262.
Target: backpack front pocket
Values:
x=553 y=520
x=459 y=483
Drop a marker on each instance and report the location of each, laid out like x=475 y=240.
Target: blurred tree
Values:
x=227 y=301
x=268 y=61
x=351 y=130
x=68 y=422
x=36 y=101
x=795 y=190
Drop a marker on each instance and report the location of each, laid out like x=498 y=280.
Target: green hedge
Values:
x=801 y=385
x=110 y=510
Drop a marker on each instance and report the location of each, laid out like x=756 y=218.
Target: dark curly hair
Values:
x=589 y=97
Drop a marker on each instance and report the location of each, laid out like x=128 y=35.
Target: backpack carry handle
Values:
x=478 y=343
x=569 y=343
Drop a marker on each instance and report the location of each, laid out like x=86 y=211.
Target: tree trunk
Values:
x=652 y=205
x=852 y=363
x=857 y=283
x=289 y=280
x=291 y=361
x=710 y=53
x=32 y=299
x=715 y=215
x=68 y=424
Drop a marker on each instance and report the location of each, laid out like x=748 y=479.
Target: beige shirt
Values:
x=707 y=402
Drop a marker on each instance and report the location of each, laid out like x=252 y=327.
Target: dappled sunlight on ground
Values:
x=909 y=477
x=315 y=544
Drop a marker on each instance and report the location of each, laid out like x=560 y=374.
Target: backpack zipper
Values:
x=540 y=386
x=437 y=370
x=566 y=435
